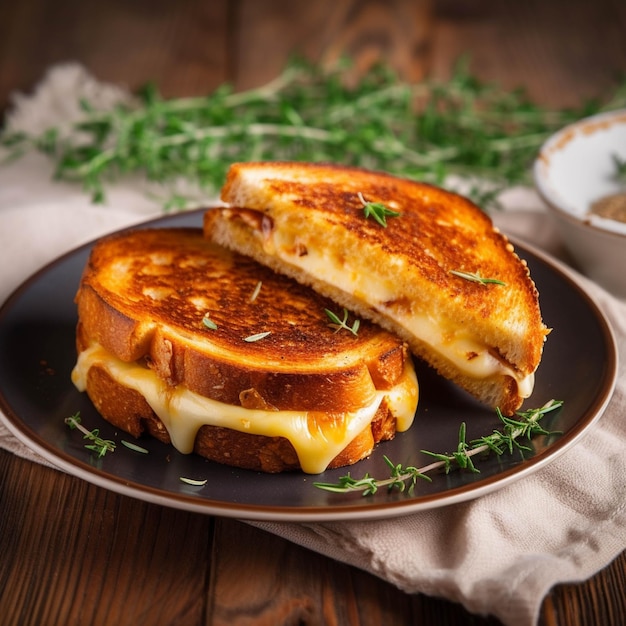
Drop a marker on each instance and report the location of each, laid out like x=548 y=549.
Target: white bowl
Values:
x=575 y=167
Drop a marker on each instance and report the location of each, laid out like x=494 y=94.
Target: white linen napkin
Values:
x=499 y=554
x=502 y=553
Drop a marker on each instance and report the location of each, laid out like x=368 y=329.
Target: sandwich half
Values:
x=424 y=263
x=203 y=348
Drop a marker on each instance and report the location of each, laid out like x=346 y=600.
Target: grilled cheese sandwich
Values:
x=418 y=276
x=217 y=355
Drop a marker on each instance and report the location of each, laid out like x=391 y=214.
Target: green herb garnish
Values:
x=428 y=130
x=256 y=292
x=208 y=322
x=257 y=337
x=98 y=445
x=134 y=447
x=524 y=425
x=477 y=278
x=193 y=481
x=620 y=168
x=377 y=210
x=339 y=324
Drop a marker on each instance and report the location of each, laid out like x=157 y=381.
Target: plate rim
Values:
x=368 y=511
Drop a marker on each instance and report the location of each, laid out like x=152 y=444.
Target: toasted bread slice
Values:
x=415 y=276
x=195 y=344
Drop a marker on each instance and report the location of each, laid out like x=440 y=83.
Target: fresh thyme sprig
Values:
x=339 y=324
x=377 y=210
x=98 y=445
x=429 y=130
x=475 y=277
x=524 y=425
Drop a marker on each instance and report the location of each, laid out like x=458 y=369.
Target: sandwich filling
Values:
x=317 y=437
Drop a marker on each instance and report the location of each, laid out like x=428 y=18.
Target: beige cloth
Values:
x=499 y=554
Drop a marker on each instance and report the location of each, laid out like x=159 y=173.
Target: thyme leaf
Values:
x=506 y=440
x=256 y=292
x=620 y=168
x=208 y=322
x=257 y=336
x=193 y=481
x=339 y=324
x=97 y=444
x=475 y=277
x=133 y=446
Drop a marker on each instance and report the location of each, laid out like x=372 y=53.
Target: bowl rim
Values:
x=616 y=115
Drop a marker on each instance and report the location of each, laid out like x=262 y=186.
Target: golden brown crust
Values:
x=137 y=297
x=126 y=409
x=318 y=206
x=143 y=297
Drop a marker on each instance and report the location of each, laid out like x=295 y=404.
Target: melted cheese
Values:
x=468 y=355
x=183 y=412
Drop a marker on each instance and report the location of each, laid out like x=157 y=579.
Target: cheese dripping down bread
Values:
x=201 y=347
x=416 y=276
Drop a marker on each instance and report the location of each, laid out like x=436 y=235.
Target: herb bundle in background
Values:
x=430 y=131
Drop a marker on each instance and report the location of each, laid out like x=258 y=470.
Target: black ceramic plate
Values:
x=37 y=355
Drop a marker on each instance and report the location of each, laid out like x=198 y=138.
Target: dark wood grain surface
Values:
x=73 y=553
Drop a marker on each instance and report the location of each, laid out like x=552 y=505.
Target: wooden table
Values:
x=72 y=553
